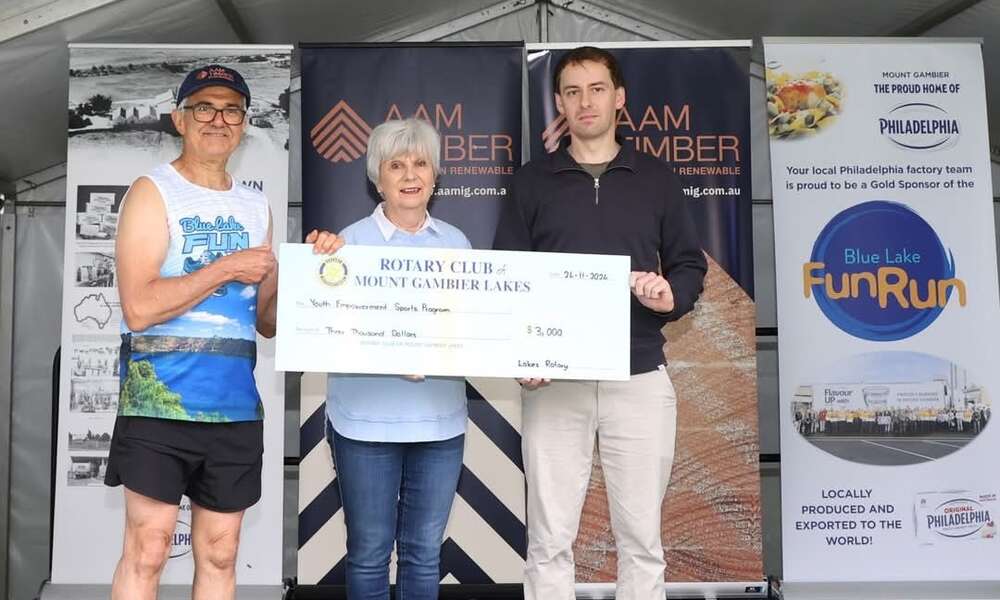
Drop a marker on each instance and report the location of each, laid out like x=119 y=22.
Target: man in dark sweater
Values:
x=597 y=195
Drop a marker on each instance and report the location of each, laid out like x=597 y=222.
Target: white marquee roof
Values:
x=34 y=34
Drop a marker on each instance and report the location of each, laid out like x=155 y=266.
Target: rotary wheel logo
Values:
x=333 y=272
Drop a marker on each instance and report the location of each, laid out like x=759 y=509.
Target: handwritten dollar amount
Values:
x=539 y=331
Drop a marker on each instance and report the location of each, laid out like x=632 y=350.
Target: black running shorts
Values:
x=217 y=465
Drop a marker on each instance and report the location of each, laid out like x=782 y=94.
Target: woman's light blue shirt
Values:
x=389 y=408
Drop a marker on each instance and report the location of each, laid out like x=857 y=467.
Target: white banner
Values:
x=120 y=98
x=887 y=309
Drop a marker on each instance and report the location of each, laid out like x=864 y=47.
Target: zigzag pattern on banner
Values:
x=456 y=566
x=341 y=135
x=486 y=539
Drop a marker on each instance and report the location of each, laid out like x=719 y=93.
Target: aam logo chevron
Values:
x=341 y=135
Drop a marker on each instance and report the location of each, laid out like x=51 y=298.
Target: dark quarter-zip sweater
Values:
x=635 y=208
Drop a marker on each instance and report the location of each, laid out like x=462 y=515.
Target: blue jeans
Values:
x=395 y=492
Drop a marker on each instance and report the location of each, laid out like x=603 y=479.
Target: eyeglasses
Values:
x=205 y=113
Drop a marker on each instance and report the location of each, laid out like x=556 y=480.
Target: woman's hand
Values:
x=324 y=242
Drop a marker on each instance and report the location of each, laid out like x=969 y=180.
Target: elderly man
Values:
x=598 y=195
x=196 y=278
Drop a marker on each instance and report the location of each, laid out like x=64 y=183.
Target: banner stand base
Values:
x=69 y=591
x=892 y=590
x=715 y=590
x=732 y=590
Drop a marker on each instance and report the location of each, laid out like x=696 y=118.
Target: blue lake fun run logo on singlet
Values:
x=223 y=235
x=214 y=239
x=879 y=272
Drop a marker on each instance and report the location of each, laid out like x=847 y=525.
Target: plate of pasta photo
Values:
x=800 y=105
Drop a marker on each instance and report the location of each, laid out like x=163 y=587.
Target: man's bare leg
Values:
x=215 y=537
x=149 y=527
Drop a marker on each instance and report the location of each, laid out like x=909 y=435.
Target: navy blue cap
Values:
x=213 y=75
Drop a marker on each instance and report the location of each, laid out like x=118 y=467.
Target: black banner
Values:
x=690 y=107
x=471 y=93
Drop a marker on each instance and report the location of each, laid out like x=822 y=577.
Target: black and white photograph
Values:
x=95 y=269
x=93 y=395
x=87 y=470
x=120 y=104
x=96 y=439
x=95 y=357
x=97 y=211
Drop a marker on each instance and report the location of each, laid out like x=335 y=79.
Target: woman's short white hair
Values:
x=403 y=136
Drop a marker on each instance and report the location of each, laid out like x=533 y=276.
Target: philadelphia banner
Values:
x=120 y=99
x=887 y=311
x=472 y=94
x=688 y=103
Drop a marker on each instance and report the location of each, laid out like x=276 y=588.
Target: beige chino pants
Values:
x=635 y=424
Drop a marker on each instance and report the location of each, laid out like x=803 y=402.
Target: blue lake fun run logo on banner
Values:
x=879 y=272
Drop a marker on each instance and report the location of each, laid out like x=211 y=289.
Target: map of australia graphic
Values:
x=94 y=307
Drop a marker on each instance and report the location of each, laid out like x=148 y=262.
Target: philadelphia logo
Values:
x=341 y=135
x=180 y=543
x=879 y=272
x=961 y=518
x=919 y=126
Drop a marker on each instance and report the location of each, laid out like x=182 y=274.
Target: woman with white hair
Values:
x=397 y=441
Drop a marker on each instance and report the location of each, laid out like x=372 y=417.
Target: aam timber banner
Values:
x=887 y=309
x=120 y=99
x=689 y=104
x=472 y=94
